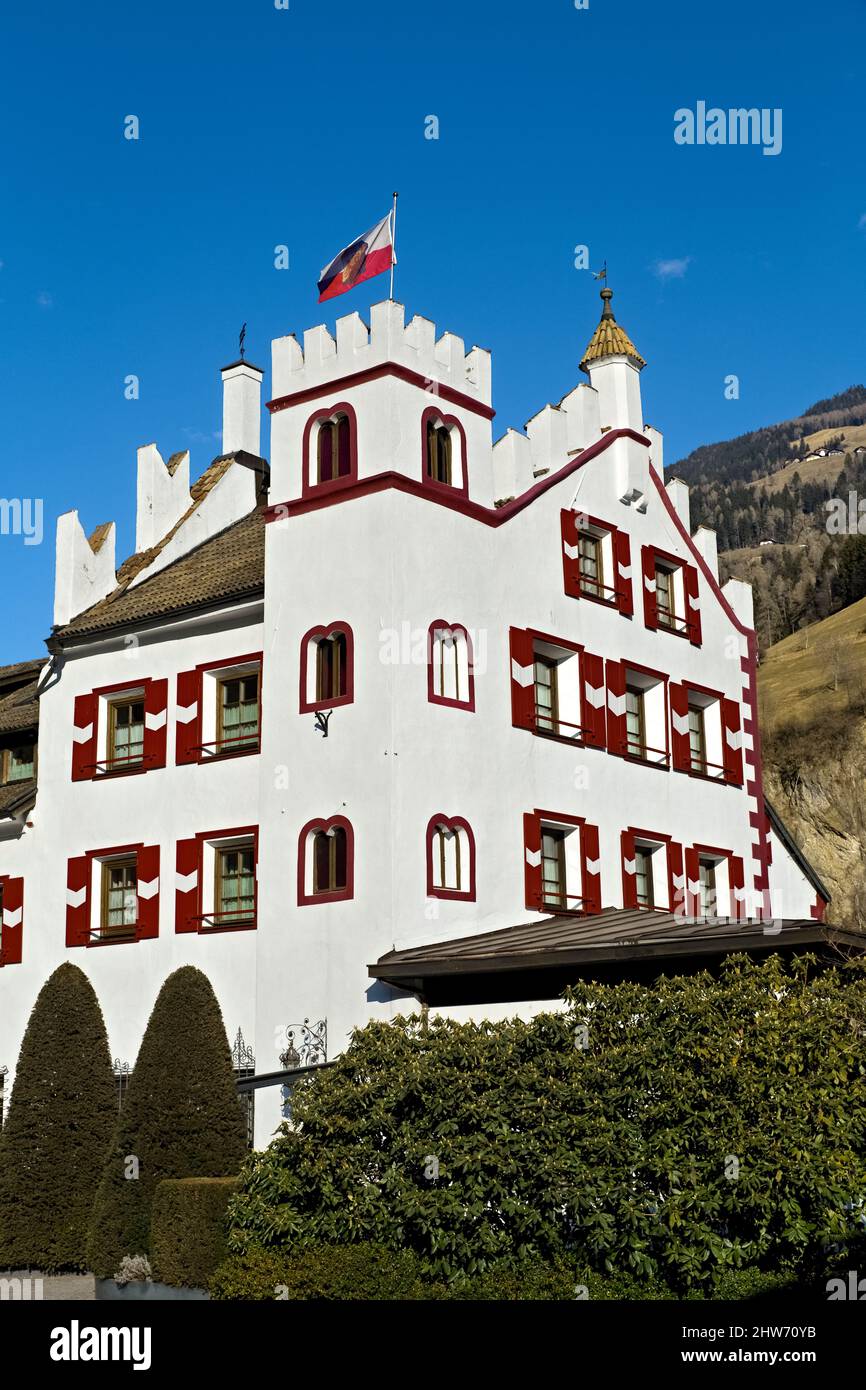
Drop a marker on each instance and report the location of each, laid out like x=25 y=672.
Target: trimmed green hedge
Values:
x=62 y=1113
x=180 y=1118
x=188 y=1229
x=677 y=1132
x=345 y=1273
x=372 y=1273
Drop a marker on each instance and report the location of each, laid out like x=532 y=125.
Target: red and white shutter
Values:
x=693 y=603
x=737 y=881
x=84 y=738
x=187 y=883
x=693 y=883
x=532 y=861
x=617 y=741
x=570 y=554
x=681 y=751
x=622 y=562
x=78 y=875
x=13 y=919
x=155 y=721
x=590 y=868
x=189 y=693
x=522 y=679
x=648 y=584
x=593 y=699
x=147 y=871
x=629 y=869
x=676 y=878
x=732 y=751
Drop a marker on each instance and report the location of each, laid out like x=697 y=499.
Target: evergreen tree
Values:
x=61 y=1117
x=180 y=1119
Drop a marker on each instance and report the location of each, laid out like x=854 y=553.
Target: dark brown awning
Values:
x=537 y=960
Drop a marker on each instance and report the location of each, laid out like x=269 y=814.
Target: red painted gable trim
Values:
x=446 y=393
x=489 y=516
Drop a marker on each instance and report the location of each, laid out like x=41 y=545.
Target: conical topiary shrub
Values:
x=61 y=1117
x=180 y=1118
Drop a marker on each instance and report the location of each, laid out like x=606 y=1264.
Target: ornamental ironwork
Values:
x=306 y=1045
x=122 y=1073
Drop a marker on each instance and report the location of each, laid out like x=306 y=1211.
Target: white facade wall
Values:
x=387 y=562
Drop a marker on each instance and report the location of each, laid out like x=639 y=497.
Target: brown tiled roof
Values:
x=19 y=707
x=609 y=339
x=16 y=795
x=199 y=490
x=227 y=566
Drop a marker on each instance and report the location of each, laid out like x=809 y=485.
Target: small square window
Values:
x=235 y=888
x=125 y=733
x=238 y=712
x=119 y=915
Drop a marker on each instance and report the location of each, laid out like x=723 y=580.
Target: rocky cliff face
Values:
x=816 y=779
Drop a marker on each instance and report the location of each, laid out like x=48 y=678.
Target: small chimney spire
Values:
x=242 y=404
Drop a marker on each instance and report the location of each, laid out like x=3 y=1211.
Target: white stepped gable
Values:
x=84 y=571
x=162 y=496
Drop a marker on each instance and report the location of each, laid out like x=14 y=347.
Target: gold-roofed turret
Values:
x=609 y=339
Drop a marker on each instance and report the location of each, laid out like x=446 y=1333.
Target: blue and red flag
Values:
x=368 y=255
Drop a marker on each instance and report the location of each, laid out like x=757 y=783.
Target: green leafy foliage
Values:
x=370 y=1273
x=62 y=1112
x=708 y=1125
x=187 y=1229
x=180 y=1119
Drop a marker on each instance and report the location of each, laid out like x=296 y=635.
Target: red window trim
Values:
x=202 y=838
x=665 y=679
x=721 y=781
x=227 y=664
x=433 y=412
x=692 y=630
x=571 y=567
x=578 y=648
x=112 y=852
x=4 y=879
x=660 y=838
x=100 y=773
x=325 y=412
x=555 y=818
x=311 y=899
x=451 y=823
x=309 y=706
x=737 y=910
x=469 y=703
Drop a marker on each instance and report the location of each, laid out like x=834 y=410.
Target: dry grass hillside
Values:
x=820 y=470
x=812 y=694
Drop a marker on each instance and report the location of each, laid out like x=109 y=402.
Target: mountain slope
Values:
x=812 y=705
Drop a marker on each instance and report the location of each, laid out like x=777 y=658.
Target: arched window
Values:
x=331 y=666
x=327 y=659
x=438 y=452
x=329 y=860
x=329 y=449
x=450 y=671
x=443 y=450
x=450 y=858
x=326 y=861
x=334 y=449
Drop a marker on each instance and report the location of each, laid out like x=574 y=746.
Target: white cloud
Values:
x=45 y=300
x=861 y=224
x=673 y=269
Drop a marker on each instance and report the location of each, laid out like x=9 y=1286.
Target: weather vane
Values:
x=601 y=274
x=243 y=334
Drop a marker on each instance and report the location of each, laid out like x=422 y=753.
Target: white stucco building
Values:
x=408 y=714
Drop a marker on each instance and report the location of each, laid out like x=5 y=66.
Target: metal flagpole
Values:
x=393 y=245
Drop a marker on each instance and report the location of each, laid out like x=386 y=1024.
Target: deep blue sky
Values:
x=262 y=126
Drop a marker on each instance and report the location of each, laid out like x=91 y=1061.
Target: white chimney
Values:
x=242 y=408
